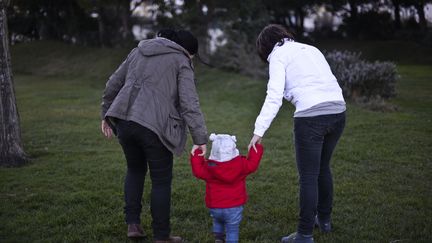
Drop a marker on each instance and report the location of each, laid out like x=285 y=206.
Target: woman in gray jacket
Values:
x=148 y=103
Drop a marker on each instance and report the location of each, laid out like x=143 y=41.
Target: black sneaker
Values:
x=324 y=227
x=135 y=231
x=297 y=238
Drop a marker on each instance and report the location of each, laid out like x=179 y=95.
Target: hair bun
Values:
x=182 y=37
x=169 y=34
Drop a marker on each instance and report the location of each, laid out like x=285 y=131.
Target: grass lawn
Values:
x=72 y=189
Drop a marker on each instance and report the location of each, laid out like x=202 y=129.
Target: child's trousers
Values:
x=227 y=220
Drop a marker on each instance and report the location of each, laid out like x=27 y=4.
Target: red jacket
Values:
x=226 y=181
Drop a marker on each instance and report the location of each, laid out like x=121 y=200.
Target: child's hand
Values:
x=203 y=148
x=255 y=139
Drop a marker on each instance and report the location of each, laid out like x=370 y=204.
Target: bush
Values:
x=376 y=103
x=360 y=78
x=239 y=55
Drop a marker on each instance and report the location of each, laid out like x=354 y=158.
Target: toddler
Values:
x=225 y=175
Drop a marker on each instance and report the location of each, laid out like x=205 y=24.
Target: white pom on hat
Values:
x=223 y=147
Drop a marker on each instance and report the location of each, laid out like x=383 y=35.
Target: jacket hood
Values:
x=227 y=171
x=223 y=147
x=160 y=46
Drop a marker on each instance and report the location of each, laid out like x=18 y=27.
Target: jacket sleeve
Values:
x=113 y=86
x=199 y=167
x=189 y=104
x=274 y=98
x=253 y=160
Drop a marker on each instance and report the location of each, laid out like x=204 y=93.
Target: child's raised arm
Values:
x=253 y=159
x=198 y=164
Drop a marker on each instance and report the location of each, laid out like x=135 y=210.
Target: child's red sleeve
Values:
x=254 y=158
x=199 y=165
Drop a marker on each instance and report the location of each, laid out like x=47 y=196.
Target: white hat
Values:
x=223 y=147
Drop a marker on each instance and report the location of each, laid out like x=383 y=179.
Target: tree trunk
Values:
x=300 y=20
x=396 y=5
x=101 y=26
x=125 y=16
x=420 y=11
x=290 y=22
x=353 y=9
x=11 y=150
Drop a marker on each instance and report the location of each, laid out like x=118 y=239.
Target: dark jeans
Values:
x=143 y=148
x=315 y=139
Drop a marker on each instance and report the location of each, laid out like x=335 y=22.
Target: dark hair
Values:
x=182 y=37
x=270 y=36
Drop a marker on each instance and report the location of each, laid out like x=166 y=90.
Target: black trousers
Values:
x=143 y=149
x=315 y=140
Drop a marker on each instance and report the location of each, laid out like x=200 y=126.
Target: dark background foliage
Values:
x=109 y=22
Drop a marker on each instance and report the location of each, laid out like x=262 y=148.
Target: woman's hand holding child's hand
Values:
x=203 y=148
x=255 y=139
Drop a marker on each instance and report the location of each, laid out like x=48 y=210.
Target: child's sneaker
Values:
x=219 y=237
x=297 y=238
x=324 y=227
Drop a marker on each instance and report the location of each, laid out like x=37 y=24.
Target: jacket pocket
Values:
x=174 y=130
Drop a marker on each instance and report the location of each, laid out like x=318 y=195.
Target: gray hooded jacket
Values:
x=155 y=87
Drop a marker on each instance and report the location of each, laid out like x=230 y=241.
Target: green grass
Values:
x=72 y=189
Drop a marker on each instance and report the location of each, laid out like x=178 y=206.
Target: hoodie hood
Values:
x=223 y=147
x=160 y=46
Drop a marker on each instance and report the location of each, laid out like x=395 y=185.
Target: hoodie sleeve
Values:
x=253 y=160
x=199 y=166
x=189 y=104
x=274 y=98
x=113 y=86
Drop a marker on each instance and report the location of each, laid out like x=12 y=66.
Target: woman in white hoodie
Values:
x=300 y=74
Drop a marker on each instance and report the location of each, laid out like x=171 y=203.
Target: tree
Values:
x=289 y=13
x=419 y=5
x=63 y=20
x=396 y=5
x=114 y=20
x=103 y=22
x=11 y=150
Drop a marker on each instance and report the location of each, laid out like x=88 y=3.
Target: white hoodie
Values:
x=300 y=74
